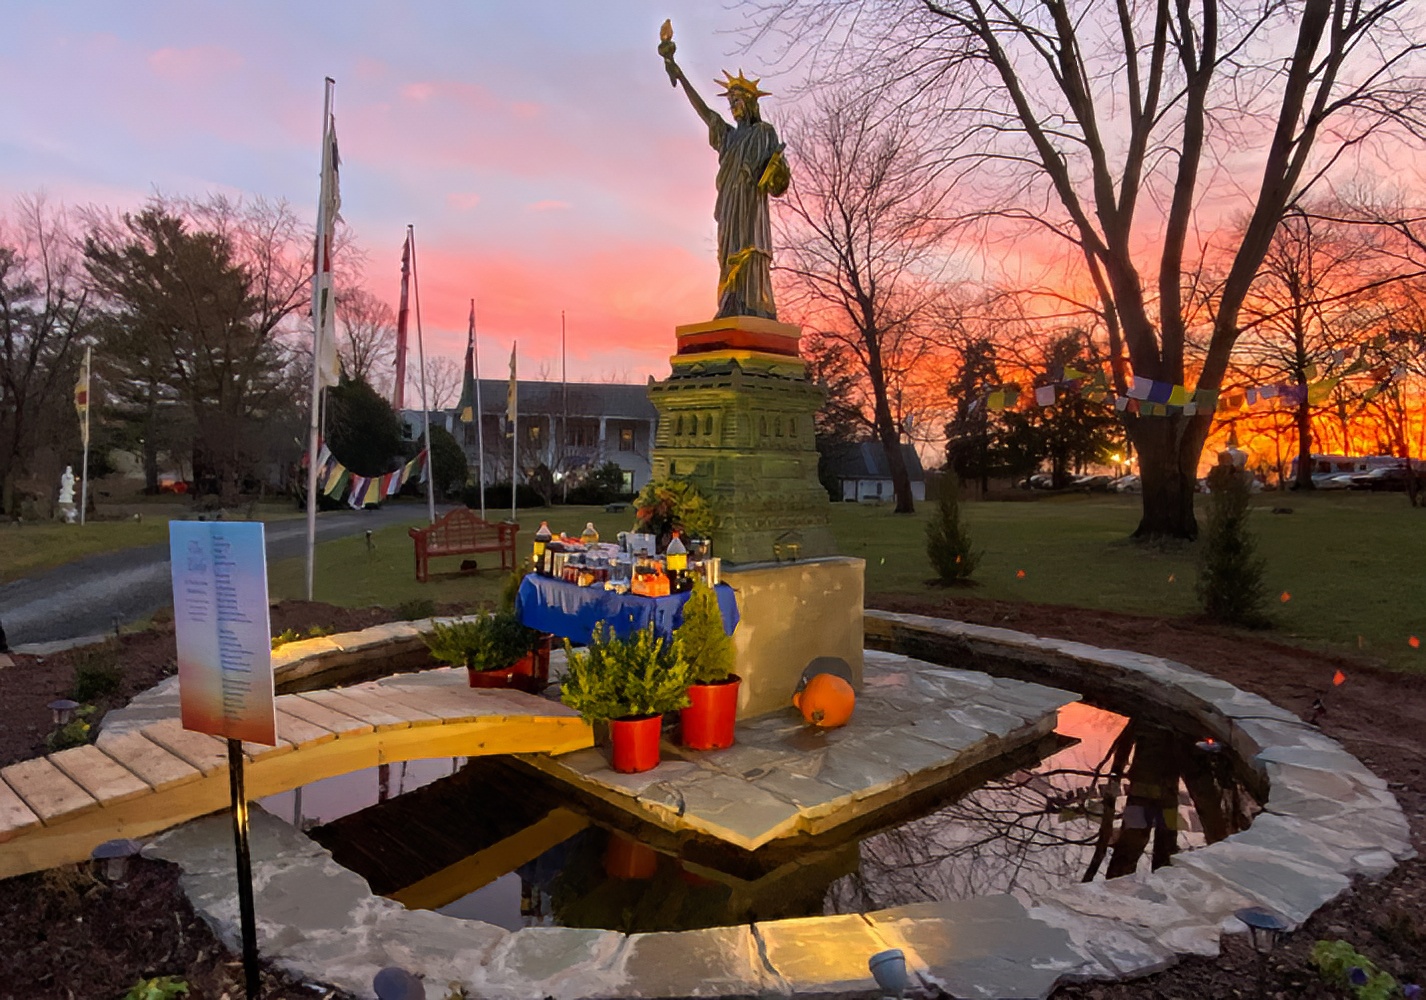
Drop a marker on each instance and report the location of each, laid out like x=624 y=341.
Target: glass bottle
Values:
x=591 y=535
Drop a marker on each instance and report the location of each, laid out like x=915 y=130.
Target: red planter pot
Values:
x=635 y=742
x=707 y=723
x=529 y=673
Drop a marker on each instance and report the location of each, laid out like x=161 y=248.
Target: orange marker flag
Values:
x=1338 y=679
x=1414 y=642
x=1019 y=574
x=1285 y=597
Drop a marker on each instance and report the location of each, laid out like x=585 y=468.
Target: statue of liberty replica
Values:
x=750 y=168
x=736 y=414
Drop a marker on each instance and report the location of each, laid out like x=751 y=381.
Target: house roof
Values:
x=867 y=460
x=585 y=399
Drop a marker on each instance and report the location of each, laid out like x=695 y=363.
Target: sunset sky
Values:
x=542 y=157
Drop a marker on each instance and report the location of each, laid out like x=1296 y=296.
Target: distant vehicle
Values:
x=1330 y=481
x=1395 y=478
x=1127 y=484
x=1099 y=484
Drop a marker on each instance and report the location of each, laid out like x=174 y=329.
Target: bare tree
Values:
x=443 y=378
x=366 y=339
x=1070 y=115
x=43 y=314
x=1310 y=300
x=859 y=234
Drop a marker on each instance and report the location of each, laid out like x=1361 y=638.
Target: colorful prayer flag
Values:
x=324 y=321
x=398 y=396
x=466 y=406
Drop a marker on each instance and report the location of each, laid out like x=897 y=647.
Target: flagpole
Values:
x=88 y=405
x=479 y=420
x=425 y=407
x=514 y=432
x=314 y=414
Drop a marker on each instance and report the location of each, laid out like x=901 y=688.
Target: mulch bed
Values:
x=64 y=934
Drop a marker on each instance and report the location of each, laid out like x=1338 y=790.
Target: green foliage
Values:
x=448 y=463
x=97 y=673
x=363 y=431
x=948 y=543
x=413 y=608
x=510 y=586
x=292 y=635
x=602 y=485
x=1230 y=583
x=700 y=639
x=667 y=504
x=1342 y=965
x=486 y=642
x=613 y=678
x=74 y=733
x=161 y=988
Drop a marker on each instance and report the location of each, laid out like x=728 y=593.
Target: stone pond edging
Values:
x=1326 y=818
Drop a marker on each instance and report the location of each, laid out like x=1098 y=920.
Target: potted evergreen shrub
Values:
x=495 y=649
x=707 y=723
x=628 y=683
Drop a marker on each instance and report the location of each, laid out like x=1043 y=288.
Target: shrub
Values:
x=487 y=642
x=1230 y=575
x=1342 y=965
x=614 y=678
x=497 y=498
x=414 y=608
x=701 y=639
x=948 y=545
x=292 y=635
x=97 y=673
x=599 y=486
x=160 y=988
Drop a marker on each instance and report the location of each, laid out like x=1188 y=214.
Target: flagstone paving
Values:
x=1327 y=818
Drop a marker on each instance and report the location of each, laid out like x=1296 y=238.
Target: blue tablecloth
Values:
x=571 y=611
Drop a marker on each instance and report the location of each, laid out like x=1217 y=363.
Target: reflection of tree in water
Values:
x=1151 y=792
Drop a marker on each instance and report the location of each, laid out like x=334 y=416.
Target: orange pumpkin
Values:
x=827 y=701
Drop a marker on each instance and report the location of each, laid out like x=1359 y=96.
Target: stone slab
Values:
x=986 y=947
x=718 y=961
x=1291 y=888
x=822 y=956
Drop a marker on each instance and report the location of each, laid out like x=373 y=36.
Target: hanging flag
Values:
x=81 y=399
x=511 y=402
x=1045 y=395
x=466 y=406
x=1141 y=387
x=324 y=321
x=398 y=395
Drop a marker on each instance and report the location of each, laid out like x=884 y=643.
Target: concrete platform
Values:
x=915 y=725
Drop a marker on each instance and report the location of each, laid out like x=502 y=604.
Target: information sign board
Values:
x=220 y=616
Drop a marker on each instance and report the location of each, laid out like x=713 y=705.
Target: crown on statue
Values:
x=740 y=85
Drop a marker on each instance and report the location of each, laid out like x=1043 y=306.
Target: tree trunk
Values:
x=1304 y=445
x=1168 y=449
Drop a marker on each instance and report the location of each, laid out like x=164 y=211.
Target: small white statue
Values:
x=66 y=486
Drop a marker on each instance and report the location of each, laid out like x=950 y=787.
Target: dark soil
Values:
x=65 y=935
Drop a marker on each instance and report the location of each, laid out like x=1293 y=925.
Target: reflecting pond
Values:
x=493 y=840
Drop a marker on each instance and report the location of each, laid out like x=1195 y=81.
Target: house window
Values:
x=708 y=424
x=626 y=439
x=628 y=481
x=534 y=433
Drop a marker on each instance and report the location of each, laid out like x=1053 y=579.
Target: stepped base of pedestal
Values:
x=792 y=613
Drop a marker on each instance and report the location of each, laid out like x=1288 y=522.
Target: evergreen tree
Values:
x=448 y=463
x=363 y=431
x=948 y=543
x=1230 y=573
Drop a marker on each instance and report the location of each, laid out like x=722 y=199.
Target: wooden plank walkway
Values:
x=55 y=810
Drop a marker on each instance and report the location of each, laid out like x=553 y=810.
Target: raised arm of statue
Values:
x=676 y=77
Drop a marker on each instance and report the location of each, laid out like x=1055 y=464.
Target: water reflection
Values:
x=1125 y=795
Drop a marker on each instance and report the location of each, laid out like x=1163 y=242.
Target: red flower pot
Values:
x=707 y=722
x=635 y=741
x=529 y=673
x=625 y=858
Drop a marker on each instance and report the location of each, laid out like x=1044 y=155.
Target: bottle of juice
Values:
x=590 y=536
x=542 y=541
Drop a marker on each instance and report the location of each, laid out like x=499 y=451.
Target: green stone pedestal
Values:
x=736 y=420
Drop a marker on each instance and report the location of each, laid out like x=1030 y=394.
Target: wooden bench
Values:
x=462 y=532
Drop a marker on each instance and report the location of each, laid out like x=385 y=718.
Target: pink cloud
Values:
x=188 y=65
x=462 y=201
x=548 y=205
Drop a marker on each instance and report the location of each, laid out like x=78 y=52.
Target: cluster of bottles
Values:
x=630 y=566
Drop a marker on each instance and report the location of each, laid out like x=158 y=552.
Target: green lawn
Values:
x=33 y=547
x=1352 y=564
